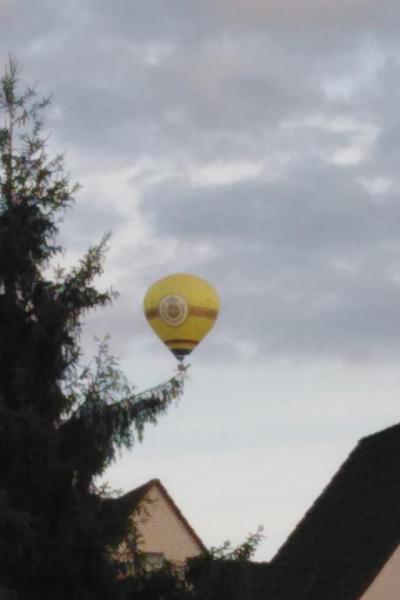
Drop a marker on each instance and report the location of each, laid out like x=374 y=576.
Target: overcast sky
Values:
x=255 y=143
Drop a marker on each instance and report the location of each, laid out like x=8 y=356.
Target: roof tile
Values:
x=354 y=526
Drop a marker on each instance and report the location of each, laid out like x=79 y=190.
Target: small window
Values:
x=154 y=560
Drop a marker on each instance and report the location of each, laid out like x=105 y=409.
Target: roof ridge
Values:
x=358 y=504
x=137 y=494
x=381 y=432
x=179 y=513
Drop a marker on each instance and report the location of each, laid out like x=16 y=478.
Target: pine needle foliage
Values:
x=222 y=573
x=60 y=425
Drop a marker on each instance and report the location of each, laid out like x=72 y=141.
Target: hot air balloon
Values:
x=181 y=309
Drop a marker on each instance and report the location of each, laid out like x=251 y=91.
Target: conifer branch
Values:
x=58 y=431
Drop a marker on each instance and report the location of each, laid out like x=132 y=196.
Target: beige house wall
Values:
x=386 y=585
x=162 y=531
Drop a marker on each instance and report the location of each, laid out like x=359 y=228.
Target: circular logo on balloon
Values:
x=173 y=310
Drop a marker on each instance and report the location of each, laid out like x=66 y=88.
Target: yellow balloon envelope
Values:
x=181 y=309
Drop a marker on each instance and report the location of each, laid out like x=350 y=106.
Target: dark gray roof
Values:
x=265 y=581
x=229 y=579
x=354 y=526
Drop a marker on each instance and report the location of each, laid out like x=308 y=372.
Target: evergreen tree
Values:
x=60 y=425
x=223 y=573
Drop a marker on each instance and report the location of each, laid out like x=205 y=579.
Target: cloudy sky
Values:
x=255 y=143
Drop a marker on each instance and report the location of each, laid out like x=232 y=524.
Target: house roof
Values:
x=354 y=526
x=266 y=581
x=135 y=498
x=230 y=579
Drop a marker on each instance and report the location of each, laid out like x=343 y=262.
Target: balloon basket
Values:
x=181 y=368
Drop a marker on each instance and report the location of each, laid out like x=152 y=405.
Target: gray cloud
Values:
x=306 y=257
x=189 y=79
x=306 y=265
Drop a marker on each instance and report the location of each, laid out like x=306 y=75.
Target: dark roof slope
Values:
x=228 y=579
x=354 y=526
x=135 y=497
x=266 y=581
